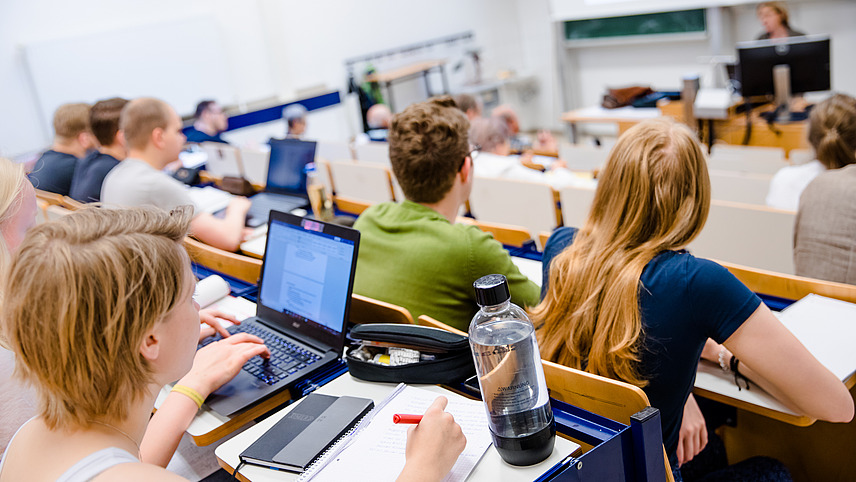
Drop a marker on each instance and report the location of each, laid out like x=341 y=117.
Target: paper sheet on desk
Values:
x=827 y=327
x=377 y=453
x=213 y=292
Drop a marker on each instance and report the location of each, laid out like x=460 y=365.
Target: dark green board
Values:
x=684 y=21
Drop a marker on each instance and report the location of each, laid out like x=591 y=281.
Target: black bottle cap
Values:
x=491 y=290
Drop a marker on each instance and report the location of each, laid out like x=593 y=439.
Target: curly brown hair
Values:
x=427 y=143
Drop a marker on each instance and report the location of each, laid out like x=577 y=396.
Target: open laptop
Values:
x=302 y=309
x=286 y=180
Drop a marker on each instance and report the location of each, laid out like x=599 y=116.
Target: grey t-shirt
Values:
x=825 y=232
x=134 y=183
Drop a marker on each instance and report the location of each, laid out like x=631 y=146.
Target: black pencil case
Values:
x=444 y=357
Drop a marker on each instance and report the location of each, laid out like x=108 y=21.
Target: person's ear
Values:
x=120 y=138
x=150 y=347
x=466 y=169
x=157 y=137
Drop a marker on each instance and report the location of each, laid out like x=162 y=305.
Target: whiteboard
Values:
x=180 y=62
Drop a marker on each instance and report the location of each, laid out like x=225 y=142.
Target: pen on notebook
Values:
x=406 y=418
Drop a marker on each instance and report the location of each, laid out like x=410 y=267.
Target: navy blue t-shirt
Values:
x=53 y=172
x=89 y=176
x=194 y=135
x=684 y=300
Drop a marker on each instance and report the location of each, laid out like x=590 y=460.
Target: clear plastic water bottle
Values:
x=321 y=207
x=511 y=377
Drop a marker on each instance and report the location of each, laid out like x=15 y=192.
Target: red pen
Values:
x=406 y=418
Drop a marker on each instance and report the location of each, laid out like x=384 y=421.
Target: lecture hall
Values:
x=420 y=241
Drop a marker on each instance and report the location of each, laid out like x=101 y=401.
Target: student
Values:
x=152 y=131
x=469 y=105
x=626 y=301
x=18 y=213
x=832 y=135
x=209 y=122
x=295 y=118
x=825 y=229
x=412 y=253
x=378 y=118
x=494 y=158
x=72 y=139
x=775 y=20
x=92 y=168
x=123 y=276
x=521 y=142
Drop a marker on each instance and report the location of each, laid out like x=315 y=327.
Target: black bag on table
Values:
x=444 y=357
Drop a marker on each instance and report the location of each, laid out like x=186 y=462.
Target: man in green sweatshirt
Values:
x=412 y=253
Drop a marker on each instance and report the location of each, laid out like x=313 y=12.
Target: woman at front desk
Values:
x=774 y=17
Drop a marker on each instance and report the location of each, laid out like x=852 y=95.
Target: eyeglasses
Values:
x=474 y=152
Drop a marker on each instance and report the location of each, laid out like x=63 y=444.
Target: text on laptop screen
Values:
x=288 y=158
x=309 y=278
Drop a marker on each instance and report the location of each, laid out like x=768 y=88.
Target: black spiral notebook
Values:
x=306 y=432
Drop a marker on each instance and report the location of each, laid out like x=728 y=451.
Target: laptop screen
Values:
x=307 y=278
x=288 y=158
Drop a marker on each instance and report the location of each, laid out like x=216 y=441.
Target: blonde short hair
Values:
x=70 y=120
x=140 y=117
x=87 y=288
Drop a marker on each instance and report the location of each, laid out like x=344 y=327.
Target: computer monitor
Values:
x=807 y=58
x=783 y=67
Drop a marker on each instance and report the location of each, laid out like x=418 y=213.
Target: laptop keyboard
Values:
x=286 y=358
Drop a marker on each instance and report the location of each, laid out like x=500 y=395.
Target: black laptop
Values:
x=302 y=308
x=286 y=180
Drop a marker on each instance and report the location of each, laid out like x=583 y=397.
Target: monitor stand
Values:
x=782 y=89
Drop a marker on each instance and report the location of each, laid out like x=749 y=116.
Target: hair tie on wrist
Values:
x=189 y=393
x=734 y=364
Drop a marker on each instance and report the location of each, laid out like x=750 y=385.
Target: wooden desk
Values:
x=407 y=72
x=625 y=117
x=490 y=467
x=731 y=131
x=711 y=382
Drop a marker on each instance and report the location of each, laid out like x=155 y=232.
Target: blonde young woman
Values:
x=18 y=211
x=114 y=322
x=626 y=301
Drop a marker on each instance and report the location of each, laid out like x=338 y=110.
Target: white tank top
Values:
x=88 y=467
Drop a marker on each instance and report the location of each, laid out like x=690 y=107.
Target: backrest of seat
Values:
x=529 y=205
x=576 y=203
x=800 y=156
x=506 y=234
x=763 y=160
x=741 y=187
x=376 y=152
x=581 y=157
x=361 y=181
x=788 y=286
x=333 y=151
x=370 y=310
x=235 y=265
x=49 y=197
x=755 y=236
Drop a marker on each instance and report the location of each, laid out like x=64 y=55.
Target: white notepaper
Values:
x=827 y=328
x=377 y=451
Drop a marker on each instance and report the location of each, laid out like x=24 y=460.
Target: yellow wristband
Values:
x=190 y=393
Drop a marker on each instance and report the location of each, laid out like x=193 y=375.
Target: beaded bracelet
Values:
x=722 y=363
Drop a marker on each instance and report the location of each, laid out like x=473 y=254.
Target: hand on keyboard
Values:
x=218 y=362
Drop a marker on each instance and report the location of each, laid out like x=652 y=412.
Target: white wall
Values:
x=590 y=70
x=273 y=46
x=285 y=47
